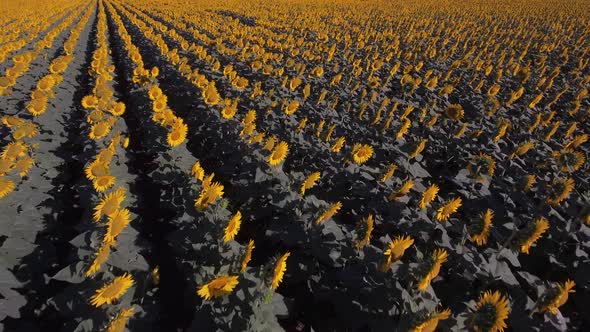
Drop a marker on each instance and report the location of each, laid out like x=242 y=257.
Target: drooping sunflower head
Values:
x=329 y=213
x=446 y=210
x=491 y=312
x=338 y=145
x=116 y=223
x=430 y=268
x=279 y=153
x=310 y=182
x=455 y=112
x=390 y=171
x=428 y=196
x=292 y=107
x=479 y=230
x=365 y=228
x=197 y=171
x=527 y=236
x=232 y=228
x=429 y=321
x=6 y=187
x=109 y=204
x=402 y=191
x=209 y=194
x=119 y=322
x=555 y=297
x=279 y=270
x=396 y=250
x=361 y=153
x=112 y=291
x=218 y=287
x=480 y=165
x=247 y=256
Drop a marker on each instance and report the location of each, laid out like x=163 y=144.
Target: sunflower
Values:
x=446 y=210
x=109 y=205
x=501 y=131
x=402 y=191
x=338 y=145
x=555 y=297
x=154 y=92
x=28 y=130
x=270 y=143
x=118 y=109
x=258 y=138
x=329 y=213
x=292 y=107
x=395 y=251
x=46 y=83
x=208 y=195
x=12 y=121
x=569 y=161
x=419 y=148
x=279 y=153
x=160 y=104
x=479 y=230
x=90 y=102
x=430 y=268
x=481 y=164
x=116 y=223
x=112 y=291
x=279 y=270
x=403 y=129
x=529 y=181
x=428 y=196
x=559 y=190
x=6 y=166
x=178 y=134
x=249 y=118
x=210 y=94
x=23 y=165
x=455 y=112
x=119 y=322
x=38 y=106
x=247 y=256
x=368 y=225
x=493 y=90
x=522 y=149
x=309 y=182
x=491 y=312
x=218 y=287
x=361 y=153
x=101 y=256
x=232 y=228
x=14 y=150
x=429 y=322
x=99 y=130
x=197 y=171
x=230 y=110
x=6 y=187
x=390 y=171
x=530 y=234
x=295 y=83
x=576 y=142
x=103 y=182
x=95 y=169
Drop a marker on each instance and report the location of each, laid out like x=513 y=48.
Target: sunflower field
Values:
x=294 y=165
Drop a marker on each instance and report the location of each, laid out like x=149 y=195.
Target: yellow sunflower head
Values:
x=491 y=312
